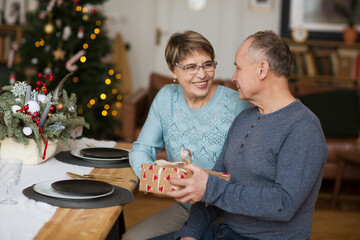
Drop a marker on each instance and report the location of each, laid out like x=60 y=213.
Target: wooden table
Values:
x=71 y=224
x=345 y=158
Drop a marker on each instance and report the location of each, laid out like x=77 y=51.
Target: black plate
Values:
x=82 y=187
x=103 y=152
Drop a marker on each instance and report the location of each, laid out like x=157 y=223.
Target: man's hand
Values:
x=194 y=187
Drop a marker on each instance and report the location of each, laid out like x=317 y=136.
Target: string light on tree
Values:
x=71 y=40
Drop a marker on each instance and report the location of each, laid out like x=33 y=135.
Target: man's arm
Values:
x=295 y=177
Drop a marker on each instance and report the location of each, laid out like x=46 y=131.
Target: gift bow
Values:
x=164 y=163
x=183 y=154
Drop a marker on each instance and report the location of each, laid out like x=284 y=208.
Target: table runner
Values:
x=25 y=219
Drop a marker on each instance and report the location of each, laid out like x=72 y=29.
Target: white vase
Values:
x=29 y=153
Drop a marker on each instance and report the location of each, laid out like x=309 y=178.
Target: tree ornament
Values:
x=81 y=32
x=47 y=70
x=53 y=109
x=15 y=108
x=85 y=17
x=66 y=33
x=49 y=28
x=32 y=106
x=60 y=106
x=49 y=114
x=58 y=23
x=47 y=48
x=34 y=61
x=43 y=98
x=19 y=89
x=72 y=109
x=42 y=15
x=13 y=48
x=70 y=63
x=12 y=79
x=59 y=54
x=94 y=11
x=27 y=131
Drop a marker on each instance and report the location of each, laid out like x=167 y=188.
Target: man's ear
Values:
x=263 y=70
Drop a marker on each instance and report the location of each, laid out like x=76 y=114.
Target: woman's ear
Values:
x=173 y=75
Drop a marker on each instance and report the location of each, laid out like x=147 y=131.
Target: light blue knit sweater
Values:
x=171 y=123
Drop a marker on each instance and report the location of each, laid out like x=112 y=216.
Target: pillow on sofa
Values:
x=338 y=111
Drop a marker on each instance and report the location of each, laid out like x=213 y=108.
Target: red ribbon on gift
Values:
x=41 y=131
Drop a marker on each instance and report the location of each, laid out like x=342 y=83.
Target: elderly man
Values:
x=275 y=153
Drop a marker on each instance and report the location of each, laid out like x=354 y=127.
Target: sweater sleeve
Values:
x=299 y=166
x=150 y=140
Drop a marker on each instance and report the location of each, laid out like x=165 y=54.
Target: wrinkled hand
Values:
x=194 y=187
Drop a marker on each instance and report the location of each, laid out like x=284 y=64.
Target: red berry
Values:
x=37 y=122
x=40 y=75
x=18 y=110
x=44 y=84
x=38 y=83
x=35 y=114
x=45 y=91
x=37 y=89
x=28 y=113
x=51 y=75
x=44 y=77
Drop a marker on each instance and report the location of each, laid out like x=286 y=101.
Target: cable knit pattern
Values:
x=171 y=123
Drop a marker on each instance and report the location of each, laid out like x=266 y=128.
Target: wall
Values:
x=224 y=22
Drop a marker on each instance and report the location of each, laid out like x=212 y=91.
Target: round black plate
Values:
x=82 y=187
x=103 y=152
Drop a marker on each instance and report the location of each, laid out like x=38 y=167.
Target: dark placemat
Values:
x=66 y=157
x=119 y=197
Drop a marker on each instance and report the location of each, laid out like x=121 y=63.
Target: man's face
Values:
x=245 y=76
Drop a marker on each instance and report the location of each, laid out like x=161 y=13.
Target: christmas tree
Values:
x=70 y=36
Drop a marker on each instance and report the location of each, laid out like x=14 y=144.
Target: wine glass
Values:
x=10 y=170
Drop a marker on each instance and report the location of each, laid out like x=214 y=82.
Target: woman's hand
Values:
x=187 y=238
x=194 y=187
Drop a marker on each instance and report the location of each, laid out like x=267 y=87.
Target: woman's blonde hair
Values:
x=181 y=45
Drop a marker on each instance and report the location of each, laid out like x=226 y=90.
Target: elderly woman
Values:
x=194 y=114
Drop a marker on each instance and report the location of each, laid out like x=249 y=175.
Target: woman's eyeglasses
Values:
x=193 y=68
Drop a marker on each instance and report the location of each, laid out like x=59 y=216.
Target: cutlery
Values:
x=93 y=177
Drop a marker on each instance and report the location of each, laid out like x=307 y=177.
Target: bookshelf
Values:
x=8 y=35
x=326 y=61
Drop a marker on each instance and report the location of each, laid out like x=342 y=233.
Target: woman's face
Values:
x=196 y=86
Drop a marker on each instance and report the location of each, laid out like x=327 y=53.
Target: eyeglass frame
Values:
x=198 y=67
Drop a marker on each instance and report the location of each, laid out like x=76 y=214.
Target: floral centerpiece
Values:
x=37 y=115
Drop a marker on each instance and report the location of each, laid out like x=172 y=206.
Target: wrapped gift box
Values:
x=155 y=178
